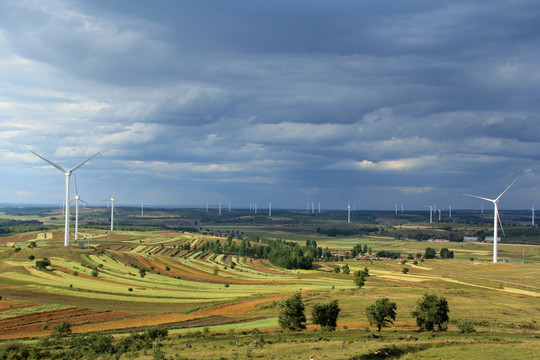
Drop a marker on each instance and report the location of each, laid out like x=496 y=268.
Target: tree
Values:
x=326 y=315
x=382 y=313
x=336 y=269
x=430 y=253
x=291 y=313
x=42 y=264
x=346 y=270
x=432 y=310
x=359 y=278
x=447 y=254
x=62 y=329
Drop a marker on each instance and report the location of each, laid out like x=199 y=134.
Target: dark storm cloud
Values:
x=296 y=99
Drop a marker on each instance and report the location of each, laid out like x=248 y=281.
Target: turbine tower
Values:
x=495 y=216
x=450 y=212
x=67 y=173
x=269 y=209
x=532 y=219
x=430 y=213
x=349 y=213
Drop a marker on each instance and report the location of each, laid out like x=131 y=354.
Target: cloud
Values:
x=398 y=164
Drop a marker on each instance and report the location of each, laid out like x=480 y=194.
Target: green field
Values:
x=201 y=299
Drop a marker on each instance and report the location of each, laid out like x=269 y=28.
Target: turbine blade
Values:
x=84 y=162
x=500 y=223
x=506 y=189
x=50 y=162
x=75 y=179
x=479 y=197
x=84 y=201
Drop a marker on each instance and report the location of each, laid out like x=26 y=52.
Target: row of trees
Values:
x=431 y=313
x=281 y=253
x=431 y=253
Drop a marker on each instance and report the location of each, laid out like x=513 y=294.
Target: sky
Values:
x=291 y=102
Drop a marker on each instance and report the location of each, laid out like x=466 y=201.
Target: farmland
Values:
x=131 y=280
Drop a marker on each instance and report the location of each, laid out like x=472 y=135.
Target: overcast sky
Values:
x=289 y=102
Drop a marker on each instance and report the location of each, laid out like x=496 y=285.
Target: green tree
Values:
x=291 y=313
x=62 y=329
x=326 y=315
x=336 y=269
x=447 y=254
x=430 y=253
x=42 y=264
x=359 y=278
x=94 y=273
x=382 y=313
x=432 y=311
x=142 y=272
x=346 y=270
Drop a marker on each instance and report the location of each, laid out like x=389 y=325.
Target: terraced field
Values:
x=146 y=279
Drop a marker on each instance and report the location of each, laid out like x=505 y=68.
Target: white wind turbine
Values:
x=495 y=216
x=532 y=220
x=349 y=213
x=67 y=173
x=77 y=198
x=112 y=209
x=430 y=213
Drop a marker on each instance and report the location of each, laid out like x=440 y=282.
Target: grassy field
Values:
x=231 y=312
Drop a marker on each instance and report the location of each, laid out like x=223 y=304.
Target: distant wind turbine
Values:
x=495 y=216
x=68 y=175
x=450 y=212
x=532 y=219
x=112 y=209
x=349 y=213
x=77 y=198
x=269 y=209
x=430 y=213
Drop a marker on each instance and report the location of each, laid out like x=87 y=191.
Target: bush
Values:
x=94 y=273
x=405 y=270
x=62 y=329
x=466 y=326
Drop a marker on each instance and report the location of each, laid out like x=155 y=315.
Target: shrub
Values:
x=62 y=329
x=94 y=273
x=405 y=270
x=466 y=326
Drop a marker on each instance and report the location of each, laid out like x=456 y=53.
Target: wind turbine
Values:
x=532 y=220
x=67 y=173
x=450 y=212
x=430 y=213
x=495 y=216
x=112 y=209
x=269 y=209
x=77 y=198
x=349 y=213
